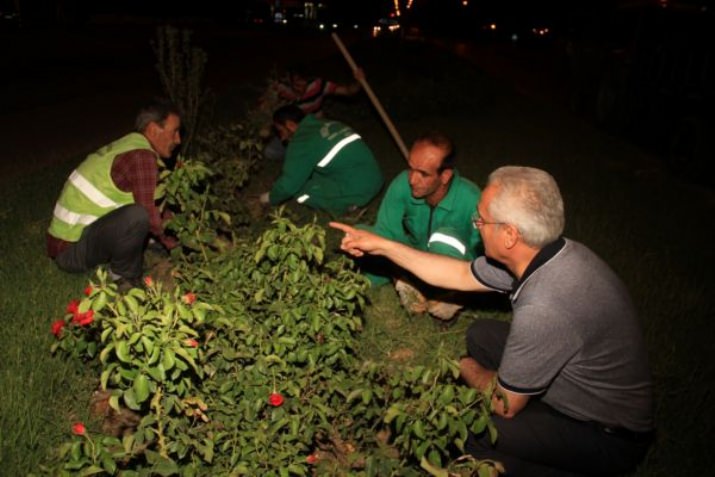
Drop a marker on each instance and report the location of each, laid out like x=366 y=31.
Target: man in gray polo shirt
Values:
x=573 y=389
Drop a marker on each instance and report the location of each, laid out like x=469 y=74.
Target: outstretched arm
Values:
x=437 y=270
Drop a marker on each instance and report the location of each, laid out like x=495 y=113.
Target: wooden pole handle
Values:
x=372 y=96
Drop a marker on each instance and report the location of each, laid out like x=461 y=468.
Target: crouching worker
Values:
x=573 y=391
x=106 y=209
x=429 y=207
x=327 y=166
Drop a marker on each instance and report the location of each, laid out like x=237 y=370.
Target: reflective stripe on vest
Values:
x=448 y=240
x=336 y=149
x=91 y=192
x=73 y=218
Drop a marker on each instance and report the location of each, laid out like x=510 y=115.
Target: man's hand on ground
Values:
x=169 y=242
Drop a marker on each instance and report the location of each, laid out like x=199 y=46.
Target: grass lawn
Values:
x=649 y=227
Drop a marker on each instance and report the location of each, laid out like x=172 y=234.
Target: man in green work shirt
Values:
x=429 y=207
x=327 y=166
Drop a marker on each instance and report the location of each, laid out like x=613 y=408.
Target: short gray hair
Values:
x=528 y=199
x=155 y=111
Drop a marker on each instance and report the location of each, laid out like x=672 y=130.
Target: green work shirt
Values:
x=445 y=229
x=327 y=167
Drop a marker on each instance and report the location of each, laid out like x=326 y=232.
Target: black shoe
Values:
x=445 y=325
x=126 y=284
x=154 y=246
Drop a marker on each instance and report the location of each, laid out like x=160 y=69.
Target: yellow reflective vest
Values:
x=89 y=193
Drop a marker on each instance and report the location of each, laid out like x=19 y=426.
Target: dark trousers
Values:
x=540 y=441
x=117 y=238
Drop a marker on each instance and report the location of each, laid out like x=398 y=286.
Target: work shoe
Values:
x=354 y=214
x=444 y=314
x=126 y=284
x=442 y=310
x=411 y=299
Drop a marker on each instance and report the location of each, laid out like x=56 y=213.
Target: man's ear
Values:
x=292 y=126
x=446 y=175
x=511 y=236
x=151 y=129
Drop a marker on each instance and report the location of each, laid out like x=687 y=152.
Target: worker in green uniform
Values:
x=429 y=207
x=327 y=165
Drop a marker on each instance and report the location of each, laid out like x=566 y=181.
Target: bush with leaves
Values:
x=261 y=376
x=181 y=66
x=233 y=152
x=186 y=193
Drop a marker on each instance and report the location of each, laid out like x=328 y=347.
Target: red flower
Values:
x=275 y=399
x=83 y=319
x=312 y=459
x=57 y=326
x=191 y=342
x=78 y=429
x=189 y=298
x=73 y=306
x=148 y=281
x=88 y=291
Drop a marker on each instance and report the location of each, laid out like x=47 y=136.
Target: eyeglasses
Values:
x=479 y=222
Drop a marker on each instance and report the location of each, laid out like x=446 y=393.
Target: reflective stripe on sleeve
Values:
x=302 y=198
x=336 y=149
x=73 y=218
x=448 y=240
x=91 y=192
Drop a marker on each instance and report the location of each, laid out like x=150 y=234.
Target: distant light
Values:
x=493 y=26
x=514 y=37
x=321 y=26
x=335 y=25
x=355 y=27
x=285 y=21
x=465 y=3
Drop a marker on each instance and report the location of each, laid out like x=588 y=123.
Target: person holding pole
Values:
x=570 y=386
x=307 y=93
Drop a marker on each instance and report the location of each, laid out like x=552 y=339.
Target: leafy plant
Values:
x=186 y=189
x=233 y=151
x=181 y=70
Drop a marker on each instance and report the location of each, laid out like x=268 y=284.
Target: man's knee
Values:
x=478 y=332
x=486 y=340
x=135 y=217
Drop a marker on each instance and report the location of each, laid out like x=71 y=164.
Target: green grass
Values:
x=39 y=395
x=650 y=228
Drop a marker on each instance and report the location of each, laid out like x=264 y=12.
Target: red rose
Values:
x=84 y=319
x=148 y=281
x=191 y=342
x=78 y=429
x=189 y=298
x=275 y=399
x=88 y=291
x=312 y=459
x=73 y=306
x=57 y=326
